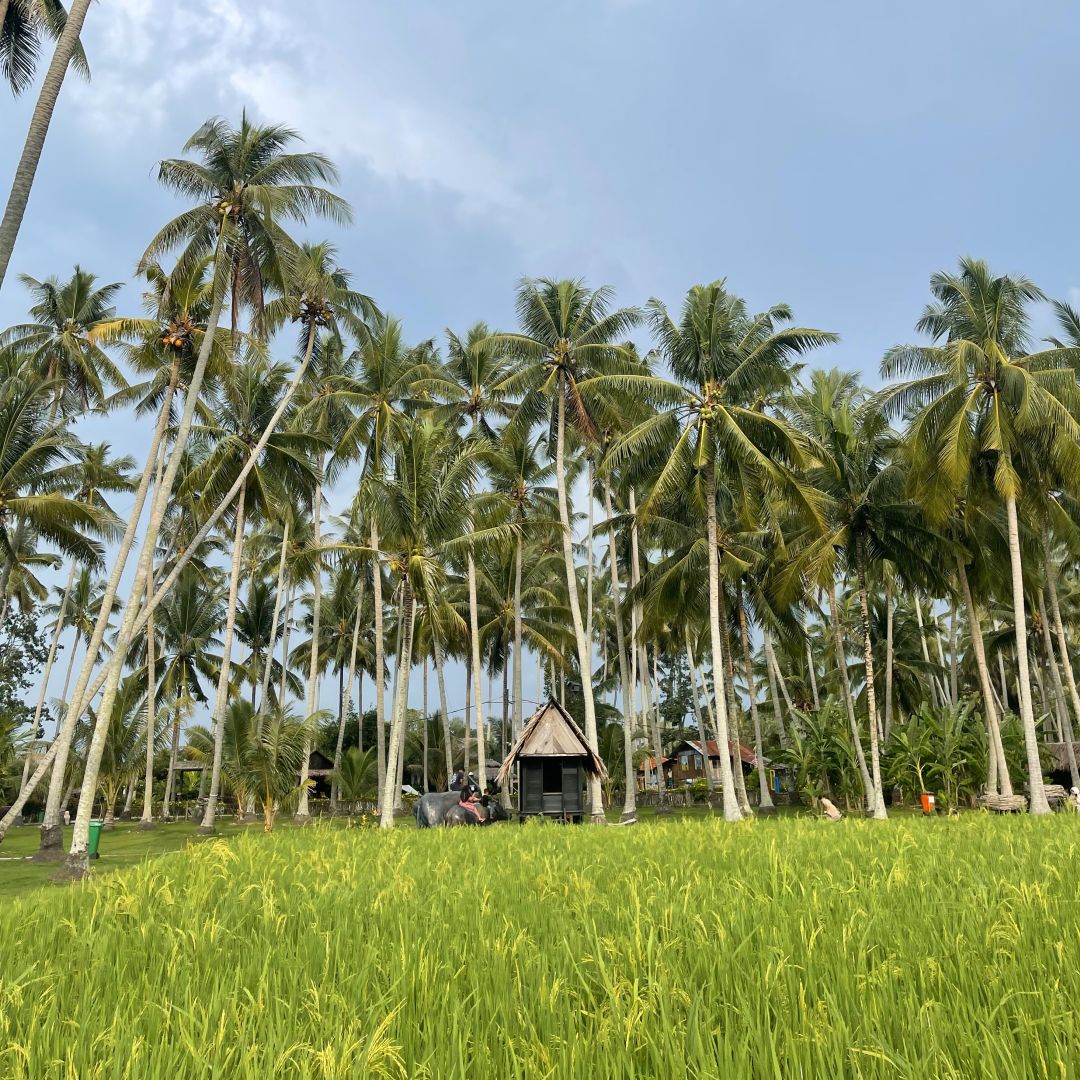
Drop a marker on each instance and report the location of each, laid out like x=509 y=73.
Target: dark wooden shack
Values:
x=552 y=758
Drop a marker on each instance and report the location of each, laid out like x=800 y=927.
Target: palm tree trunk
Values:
x=1036 y=793
x=477 y=675
x=444 y=708
x=871 y=690
x=584 y=647
x=346 y=691
x=812 y=673
x=39 y=128
x=589 y=564
x=649 y=717
x=286 y=633
x=519 y=659
x=278 y=594
x=302 y=813
x=380 y=661
x=466 y=764
x=221 y=700
x=925 y=650
x=946 y=696
x=1066 y=662
x=764 y=798
x=77 y=861
x=147 y=819
x=51 y=841
x=995 y=751
x=1055 y=673
x=727 y=777
x=845 y=688
x=53 y=645
x=629 y=811
x=733 y=710
x=703 y=732
x=888 y=658
x=174 y=749
x=397 y=678
x=954 y=672
x=397 y=721
x=776 y=679
x=424 y=788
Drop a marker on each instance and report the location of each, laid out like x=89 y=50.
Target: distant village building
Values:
x=688 y=762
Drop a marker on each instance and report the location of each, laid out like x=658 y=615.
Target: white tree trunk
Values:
x=147 y=819
x=519 y=658
x=764 y=796
x=703 y=731
x=1066 y=662
x=302 y=811
x=397 y=722
x=995 y=750
x=222 y=697
x=629 y=812
x=845 y=687
x=272 y=644
x=810 y=668
x=39 y=128
x=584 y=649
x=871 y=690
x=444 y=708
x=727 y=777
x=888 y=658
x=477 y=675
x=380 y=662
x=925 y=651
x=1037 y=803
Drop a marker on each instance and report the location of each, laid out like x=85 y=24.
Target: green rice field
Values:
x=679 y=948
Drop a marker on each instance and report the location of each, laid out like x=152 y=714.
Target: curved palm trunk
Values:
x=596 y=802
x=51 y=658
x=727 y=777
x=380 y=663
x=39 y=128
x=776 y=678
x=764 y=797
x=77 y=861
x=845 y=688
x=1036 y=792
x=871 y=691
x=397 y=720
x=629 y=811
x=1066 y=662
x=147 y=819
x=302 y=812
x=221 y=699
x=51 y=841
x=440 y=679
x=649 y=718
x=995 y=750
x=278 y=594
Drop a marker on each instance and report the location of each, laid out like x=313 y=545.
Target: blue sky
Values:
x=829 y=155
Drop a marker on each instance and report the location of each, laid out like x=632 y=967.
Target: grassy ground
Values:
x=679 y=948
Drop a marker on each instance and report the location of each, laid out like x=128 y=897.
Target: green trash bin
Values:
x=95 y=839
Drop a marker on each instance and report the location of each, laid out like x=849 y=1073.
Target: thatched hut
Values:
x=552 y=758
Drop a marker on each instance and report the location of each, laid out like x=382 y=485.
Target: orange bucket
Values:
x=927 y=803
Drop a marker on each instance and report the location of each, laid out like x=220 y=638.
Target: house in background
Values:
x=688 y=762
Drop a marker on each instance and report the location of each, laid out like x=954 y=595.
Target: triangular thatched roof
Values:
x=552 y=732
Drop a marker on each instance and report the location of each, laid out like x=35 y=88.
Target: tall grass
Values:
x=930 y=949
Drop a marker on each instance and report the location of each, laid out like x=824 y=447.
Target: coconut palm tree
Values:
x=23 y=26
x=722 y=357
x=61 y=342
x=570 y=339
x=978 y=394
x=269 y=757
x=283 y=472
x=474 y=373
x=423 y=507
x=14 y=22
